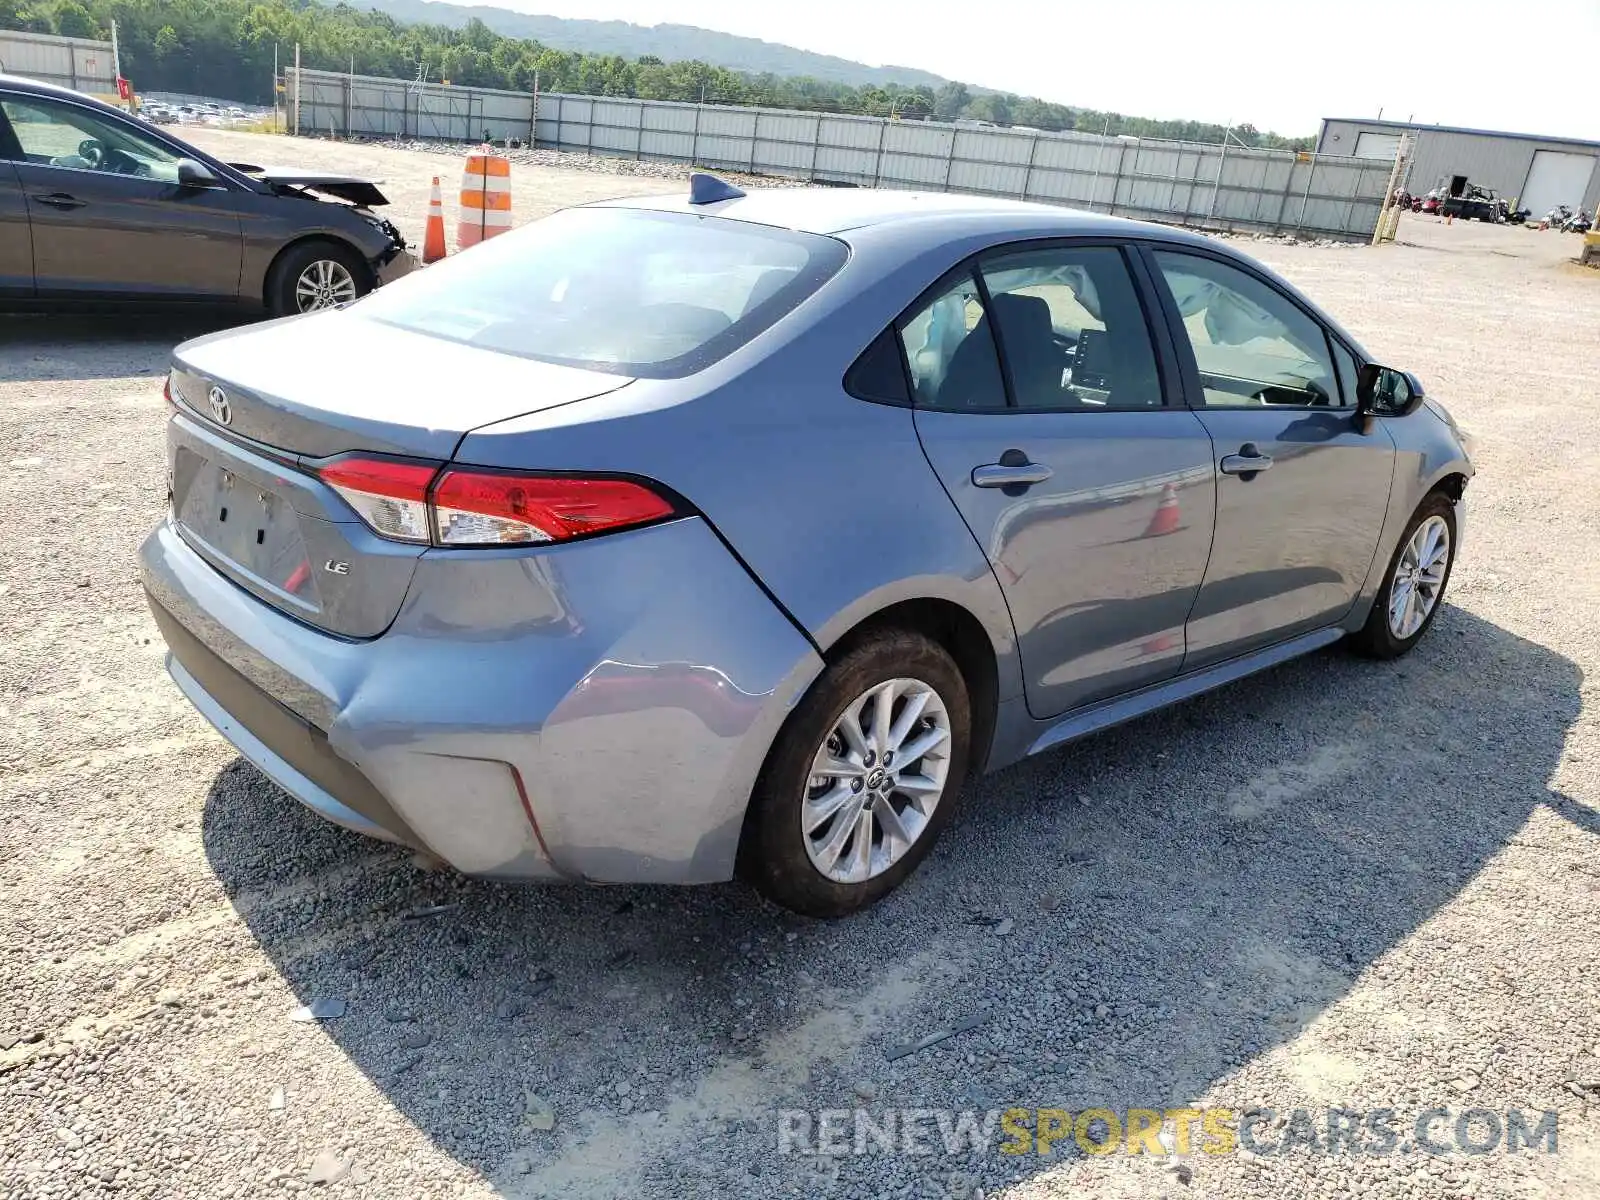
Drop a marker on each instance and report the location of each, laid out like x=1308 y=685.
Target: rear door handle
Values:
x=1247 y=463
x=1002 y=475
x=60 y=200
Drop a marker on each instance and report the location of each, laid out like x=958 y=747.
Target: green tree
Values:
x=950 y=100
x=990 y=107
x=73 y=20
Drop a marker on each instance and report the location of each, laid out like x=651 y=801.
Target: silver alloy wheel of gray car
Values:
x=876 y=780
x=1419 y=577
x=325 y=283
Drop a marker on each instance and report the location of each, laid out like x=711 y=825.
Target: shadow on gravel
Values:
x=1216 y=875
x=38 y=346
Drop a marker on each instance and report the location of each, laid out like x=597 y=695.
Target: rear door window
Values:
x=625 y=291
x=1072 y=330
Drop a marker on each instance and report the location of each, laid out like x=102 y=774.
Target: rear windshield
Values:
x=626 y=291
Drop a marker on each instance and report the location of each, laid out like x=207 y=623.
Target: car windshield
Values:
x=625 y=291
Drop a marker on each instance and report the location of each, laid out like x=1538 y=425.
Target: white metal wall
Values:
x=1494 y=160
x=1180 y=182
x=1177 y=182
x=331 y=103
x=77 y=63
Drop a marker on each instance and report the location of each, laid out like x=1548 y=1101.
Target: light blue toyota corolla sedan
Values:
x=673 y=539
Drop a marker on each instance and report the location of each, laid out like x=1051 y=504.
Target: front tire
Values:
x=314 y=276
x=862 y=779
x=1413 y=587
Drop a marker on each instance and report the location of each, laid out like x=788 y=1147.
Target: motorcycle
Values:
x=1578 y=222
x=1557 y=217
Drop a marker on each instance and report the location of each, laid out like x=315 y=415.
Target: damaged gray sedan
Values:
x=97 y=208
x=674 y=538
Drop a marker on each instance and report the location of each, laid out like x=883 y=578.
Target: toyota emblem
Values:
x=219 y=406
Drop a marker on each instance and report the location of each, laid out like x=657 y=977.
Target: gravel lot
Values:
x=1342 y=884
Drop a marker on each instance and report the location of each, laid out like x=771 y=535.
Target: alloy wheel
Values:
x=876 y=780
x=324 y=283
x=1419 y=577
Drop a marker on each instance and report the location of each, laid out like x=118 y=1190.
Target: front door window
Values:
x=56 y=134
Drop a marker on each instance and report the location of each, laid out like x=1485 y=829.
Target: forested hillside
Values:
x=666 y=41
x=225 y=48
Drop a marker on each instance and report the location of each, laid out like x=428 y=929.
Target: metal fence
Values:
x=76 y=63
x=364 y=105
x=1184 y=183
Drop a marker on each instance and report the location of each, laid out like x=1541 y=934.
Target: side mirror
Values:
x=1385 y=392
x=196 y=175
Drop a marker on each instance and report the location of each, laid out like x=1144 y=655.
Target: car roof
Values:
x=21 y=83
x=835 y=210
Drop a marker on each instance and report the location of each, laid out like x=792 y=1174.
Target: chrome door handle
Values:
x=999 y=475
x=1247 y=463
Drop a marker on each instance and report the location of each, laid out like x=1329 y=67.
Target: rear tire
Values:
x=316 y=275
x=1402 y=613
x=836 y=820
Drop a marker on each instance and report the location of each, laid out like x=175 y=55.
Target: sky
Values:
x=1280 y=66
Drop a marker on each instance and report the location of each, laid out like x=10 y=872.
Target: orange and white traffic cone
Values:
x=1167 y=514
x=433 y=235
x=485 y=198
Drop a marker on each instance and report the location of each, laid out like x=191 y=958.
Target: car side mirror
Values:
x=1386 y=392
x=196 y=175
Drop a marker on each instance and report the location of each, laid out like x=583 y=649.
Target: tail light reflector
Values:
x=391 y=497
x=473 y=508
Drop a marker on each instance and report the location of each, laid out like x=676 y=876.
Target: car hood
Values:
x=363 y=193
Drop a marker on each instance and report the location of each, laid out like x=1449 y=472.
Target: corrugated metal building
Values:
x=1538 y=172
x=77 y=63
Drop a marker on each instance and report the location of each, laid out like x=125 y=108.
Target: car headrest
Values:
x=1026 y=318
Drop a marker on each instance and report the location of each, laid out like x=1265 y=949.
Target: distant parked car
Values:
x=97 y=206
x=670 y=537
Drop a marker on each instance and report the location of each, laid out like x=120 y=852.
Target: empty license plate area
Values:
x=233 y=514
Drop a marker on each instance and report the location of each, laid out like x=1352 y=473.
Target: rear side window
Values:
x=877 y=374
x=950 y=349
x=625 y=291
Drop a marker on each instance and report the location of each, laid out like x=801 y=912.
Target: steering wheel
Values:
x=120 y=162
x=93 y=152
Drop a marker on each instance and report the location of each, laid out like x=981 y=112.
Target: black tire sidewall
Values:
x=1377 y=638
x=772 y=853
x=286 y=272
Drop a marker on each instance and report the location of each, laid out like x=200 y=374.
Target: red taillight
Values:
x=473 y=508
x=391 y=497
x=400 y=499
